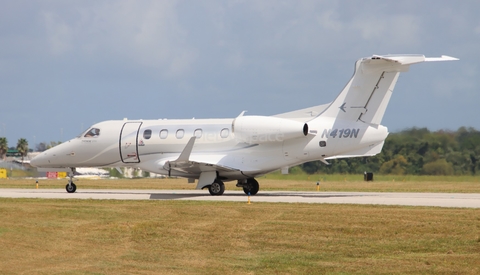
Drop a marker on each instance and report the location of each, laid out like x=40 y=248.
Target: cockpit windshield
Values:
x=94 y=132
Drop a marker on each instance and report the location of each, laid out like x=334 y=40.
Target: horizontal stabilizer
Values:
x=412 y=59
x=442 y=58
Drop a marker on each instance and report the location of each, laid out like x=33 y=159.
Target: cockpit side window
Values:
x=94 y=132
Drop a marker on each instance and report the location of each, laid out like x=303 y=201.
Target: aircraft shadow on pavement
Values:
x=159 y=196
x=312 y=195
x=173 y=196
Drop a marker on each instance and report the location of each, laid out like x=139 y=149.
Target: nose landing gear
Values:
x=71 y=187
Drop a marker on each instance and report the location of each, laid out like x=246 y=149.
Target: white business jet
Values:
x=242 y=148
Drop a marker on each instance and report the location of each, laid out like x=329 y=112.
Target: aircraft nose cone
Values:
x=40 y=160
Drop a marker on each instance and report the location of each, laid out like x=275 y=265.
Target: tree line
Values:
x=414 y=151
x=22 y=147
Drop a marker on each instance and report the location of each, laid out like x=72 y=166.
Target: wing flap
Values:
x=198 y=163
x=196 y=167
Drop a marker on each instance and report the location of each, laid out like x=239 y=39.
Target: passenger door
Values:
x=129 y=142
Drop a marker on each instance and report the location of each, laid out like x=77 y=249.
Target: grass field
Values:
x=162 y=237
x=40 y=236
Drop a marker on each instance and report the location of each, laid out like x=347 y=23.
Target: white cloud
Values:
x=59 y=34
x=477 y=29
x=235 y=60
x=329 y=21
x=148 y=35
x=401 y=30
x=460 y=84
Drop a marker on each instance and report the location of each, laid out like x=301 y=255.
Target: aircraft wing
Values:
x=197 y=163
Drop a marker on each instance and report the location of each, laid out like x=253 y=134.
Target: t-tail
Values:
x=358 y=110
x=366 y=95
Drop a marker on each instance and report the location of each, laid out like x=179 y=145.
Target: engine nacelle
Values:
x=264 y=129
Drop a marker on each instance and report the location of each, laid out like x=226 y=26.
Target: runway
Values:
x=374 y=198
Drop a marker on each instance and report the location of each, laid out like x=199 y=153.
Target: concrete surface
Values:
x=376 y=198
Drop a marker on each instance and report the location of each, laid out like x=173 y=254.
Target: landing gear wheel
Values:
x=71 y=187
x=217 y=188
x=251 y=187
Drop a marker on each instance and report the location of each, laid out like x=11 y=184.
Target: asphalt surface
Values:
x=374 y=198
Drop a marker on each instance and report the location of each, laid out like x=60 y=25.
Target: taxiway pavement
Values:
x=375 y=198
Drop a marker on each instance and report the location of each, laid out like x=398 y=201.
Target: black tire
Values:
x=216 y=188
x=252 y=187
x=71 y=188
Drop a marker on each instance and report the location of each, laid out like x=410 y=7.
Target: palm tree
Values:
x=3 y=147
x=22 y=147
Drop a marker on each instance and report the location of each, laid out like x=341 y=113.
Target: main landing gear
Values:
x=250 y=186
x=216 y=188
x=71 y=187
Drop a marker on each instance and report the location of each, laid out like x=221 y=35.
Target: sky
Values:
x=65 y=65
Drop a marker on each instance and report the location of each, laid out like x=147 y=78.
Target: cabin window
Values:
x=224 y=133
x=198 y=133
x=323 y=143
x=147 y=134
x=94 y=132
x=180 y=133
x=164 y=134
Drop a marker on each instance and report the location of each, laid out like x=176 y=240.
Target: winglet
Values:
x=185 y=155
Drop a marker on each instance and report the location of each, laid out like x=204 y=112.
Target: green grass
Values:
x=39 y=236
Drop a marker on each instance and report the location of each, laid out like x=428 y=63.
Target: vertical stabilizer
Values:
x=366 y=95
